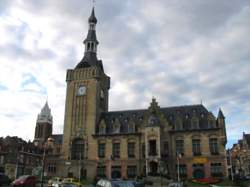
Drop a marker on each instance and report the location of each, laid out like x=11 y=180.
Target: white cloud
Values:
x=178 y=52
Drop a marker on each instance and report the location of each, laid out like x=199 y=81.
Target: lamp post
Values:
x=161 y=168
x=43 y=165
x=44 y=148
x=179 y=155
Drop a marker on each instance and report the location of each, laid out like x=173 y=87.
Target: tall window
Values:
x=77 y=150
x=213 y=145
x=131 y=149
x=196 y=147
x=165 y=149
x=101 y=150
x=101 y=171
x=216 y=169
x=180 y=147
x=131 y=171
x=116 y=150
x=143 y=150
x=152 y=148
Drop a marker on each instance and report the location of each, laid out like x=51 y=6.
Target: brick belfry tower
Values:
x=86 y=98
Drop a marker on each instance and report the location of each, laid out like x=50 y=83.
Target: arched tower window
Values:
x=88 y=46
x=77 y=150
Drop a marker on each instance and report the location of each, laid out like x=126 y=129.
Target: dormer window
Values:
x=171 y=117
x=186 y=116
x=178 y=124
x=202 y=115
x=102 y=129
x=131 y=128
x=195 y=123
x=116 y=128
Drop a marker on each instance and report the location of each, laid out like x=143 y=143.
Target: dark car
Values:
x=4 y=180
x=25 y=180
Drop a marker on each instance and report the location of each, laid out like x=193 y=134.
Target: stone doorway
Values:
x=153 y=168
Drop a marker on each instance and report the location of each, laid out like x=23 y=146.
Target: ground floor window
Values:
x=216 y=169
x=101 y=171
x=182 y=170
x=52 y=168
x=198 y=171
x=131 y=171
x=116 y=172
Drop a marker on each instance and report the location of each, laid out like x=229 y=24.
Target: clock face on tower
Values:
x=81 y=90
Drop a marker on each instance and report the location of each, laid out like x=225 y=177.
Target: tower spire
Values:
x=91 y=42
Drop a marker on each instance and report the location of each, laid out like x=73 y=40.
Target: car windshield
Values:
x=23 y=177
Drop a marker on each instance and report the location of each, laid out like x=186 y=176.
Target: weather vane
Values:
x=93 y=1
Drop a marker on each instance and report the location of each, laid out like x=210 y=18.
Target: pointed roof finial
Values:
x=92 y=18
x=220 y=114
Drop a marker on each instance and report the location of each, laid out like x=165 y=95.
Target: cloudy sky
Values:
x=181 y=52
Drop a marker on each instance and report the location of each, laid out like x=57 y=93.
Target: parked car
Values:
x=247 y=177
x=4 y=179
x=176 y=184
x=55 y=182
x=114 y=183
x=25 y=180
x=138 y=183
x=70 y=182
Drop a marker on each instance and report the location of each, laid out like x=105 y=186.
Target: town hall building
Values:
x=187 y=140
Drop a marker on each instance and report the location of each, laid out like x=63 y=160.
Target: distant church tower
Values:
x=86 y=98
x=44 y=124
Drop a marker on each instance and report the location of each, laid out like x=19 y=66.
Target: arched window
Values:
x=88 y=46
x=77 y=150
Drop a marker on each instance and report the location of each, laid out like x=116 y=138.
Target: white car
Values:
x=175 y=184
x=55 y=182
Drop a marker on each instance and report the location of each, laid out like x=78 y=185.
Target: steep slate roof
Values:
x=220 y=114
x=170 y=113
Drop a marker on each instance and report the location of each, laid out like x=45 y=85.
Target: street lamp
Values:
x=179 y=155
x=46 y=145
x=161 y=169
